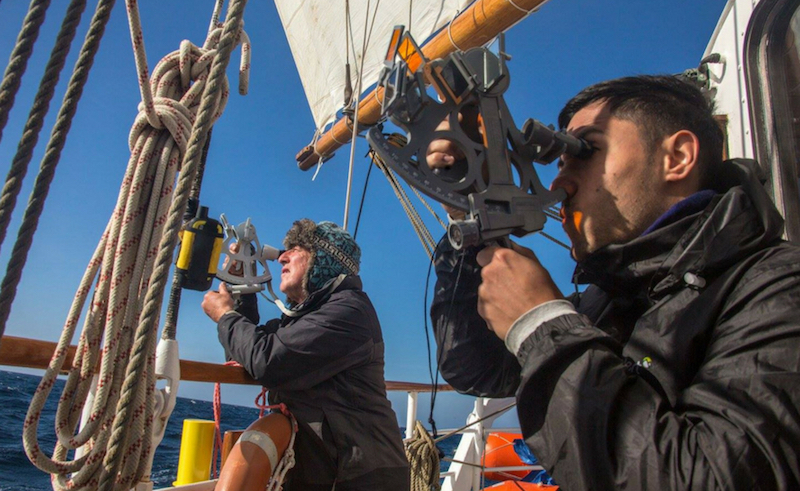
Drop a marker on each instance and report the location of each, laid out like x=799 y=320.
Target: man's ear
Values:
x=681 y=151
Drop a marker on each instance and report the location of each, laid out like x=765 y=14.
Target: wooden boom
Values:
x=32 y=353
x=476 y=26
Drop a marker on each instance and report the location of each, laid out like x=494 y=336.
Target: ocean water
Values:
x=18 y=474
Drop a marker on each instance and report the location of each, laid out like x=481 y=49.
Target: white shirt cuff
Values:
x=532 y=319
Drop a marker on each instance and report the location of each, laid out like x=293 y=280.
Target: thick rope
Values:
x=422 y=231
x=288 y=460
x=425 y=236
x=423 y=460
x=18 y=61
x=135 y=393
x=170 y=330
x=30 y=219
x=39 y=108
x=132 y=260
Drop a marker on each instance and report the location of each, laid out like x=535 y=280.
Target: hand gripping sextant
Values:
x=244 y=267
x=495 y=182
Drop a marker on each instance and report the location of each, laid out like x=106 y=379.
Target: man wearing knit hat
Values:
x=324 y=360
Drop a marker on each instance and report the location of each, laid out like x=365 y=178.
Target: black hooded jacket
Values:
x=326 y=365
x=680 y=369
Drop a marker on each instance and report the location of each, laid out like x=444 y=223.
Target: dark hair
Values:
x=659 y=105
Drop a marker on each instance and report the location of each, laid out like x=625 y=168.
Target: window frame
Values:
x=770 y=112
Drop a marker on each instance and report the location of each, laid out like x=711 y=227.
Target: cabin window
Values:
x=772 y=65
x=791 y=65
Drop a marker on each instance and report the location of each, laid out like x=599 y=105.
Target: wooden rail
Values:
x=33 y=353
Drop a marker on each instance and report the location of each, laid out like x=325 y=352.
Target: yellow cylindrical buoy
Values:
x=197 y=448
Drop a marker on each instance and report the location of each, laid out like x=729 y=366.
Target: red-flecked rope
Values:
x=131 y=264
x=261 y=402
x=217 y=406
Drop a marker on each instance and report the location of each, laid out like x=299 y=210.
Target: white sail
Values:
x=316 y=30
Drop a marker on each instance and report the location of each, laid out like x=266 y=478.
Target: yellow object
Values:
x=197 y=448
x=185 y=254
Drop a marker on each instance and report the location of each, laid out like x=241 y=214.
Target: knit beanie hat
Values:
x=333 y=251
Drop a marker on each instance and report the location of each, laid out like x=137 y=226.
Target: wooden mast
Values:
x=476 y=26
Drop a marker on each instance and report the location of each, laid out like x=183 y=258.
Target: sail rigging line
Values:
x=553 y=213
x=422 y=231
x=18 y=62
x=532 y=10
x=367 y=34
x=427 y=206
x=128 y=278
x=348 y=36
x=39 y=108
x=363 y=199
x=450 y=33
x=30 y=220
x=472 y=423
x=424 y=235
x=553 y=239
x=431 y=370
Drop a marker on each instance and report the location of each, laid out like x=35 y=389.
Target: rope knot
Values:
x=172 y=98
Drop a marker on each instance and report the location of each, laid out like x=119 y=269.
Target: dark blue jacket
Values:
x=326 y=364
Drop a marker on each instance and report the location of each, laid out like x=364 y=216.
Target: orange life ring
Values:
x=499 y=452
x=253 y=458
x=519 y=485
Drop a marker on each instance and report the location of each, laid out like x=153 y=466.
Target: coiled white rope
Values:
x=186 y=94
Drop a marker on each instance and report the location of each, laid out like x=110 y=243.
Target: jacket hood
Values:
x=694 y=248
x=320 y=296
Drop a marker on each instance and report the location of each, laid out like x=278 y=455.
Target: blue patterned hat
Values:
x=333 y=251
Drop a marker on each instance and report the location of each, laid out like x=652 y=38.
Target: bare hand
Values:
x=514 y=281
x=442 y=154
x=236 y=268
x=216 y=304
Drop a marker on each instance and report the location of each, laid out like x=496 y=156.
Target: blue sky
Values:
x=251 y=171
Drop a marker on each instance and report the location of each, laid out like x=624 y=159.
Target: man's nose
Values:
x=562 y=182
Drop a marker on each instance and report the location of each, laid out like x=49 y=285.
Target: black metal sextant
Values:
x=495 y=183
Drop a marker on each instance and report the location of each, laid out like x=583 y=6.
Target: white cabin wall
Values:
x=728 y=77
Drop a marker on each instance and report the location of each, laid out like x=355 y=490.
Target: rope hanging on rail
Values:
x=186 y=94
x=423 y=460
